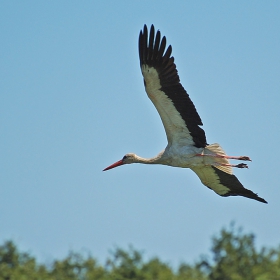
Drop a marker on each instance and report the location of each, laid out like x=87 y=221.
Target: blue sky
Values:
x=73 y=102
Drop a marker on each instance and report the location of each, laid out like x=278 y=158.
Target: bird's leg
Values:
x=224 y=156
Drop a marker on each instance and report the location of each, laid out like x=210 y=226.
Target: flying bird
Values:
x=187 y=146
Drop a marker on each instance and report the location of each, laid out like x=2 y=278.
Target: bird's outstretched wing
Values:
x=222 y=183
x=178 y=114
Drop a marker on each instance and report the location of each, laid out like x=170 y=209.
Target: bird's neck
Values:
x=153 y=160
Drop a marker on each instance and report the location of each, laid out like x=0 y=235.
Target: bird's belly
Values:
x=188 y=161
x=186 y=158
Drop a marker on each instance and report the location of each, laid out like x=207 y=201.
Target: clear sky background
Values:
x=73 y=102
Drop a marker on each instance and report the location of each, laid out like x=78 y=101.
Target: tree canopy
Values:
x=233 y=256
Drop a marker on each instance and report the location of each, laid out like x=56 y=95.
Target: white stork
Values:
x=187 y=146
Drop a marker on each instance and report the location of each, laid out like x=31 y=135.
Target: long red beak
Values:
x=116 y=164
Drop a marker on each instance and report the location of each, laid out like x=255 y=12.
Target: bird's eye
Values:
x=125 y=157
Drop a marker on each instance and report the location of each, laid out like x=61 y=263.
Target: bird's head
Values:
x=128 y=158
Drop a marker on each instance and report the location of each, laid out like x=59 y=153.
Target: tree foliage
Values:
x=233 y=257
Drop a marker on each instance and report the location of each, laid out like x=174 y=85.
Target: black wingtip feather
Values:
x=151 y=44
x=161 y=48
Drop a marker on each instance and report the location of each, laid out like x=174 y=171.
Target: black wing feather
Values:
x=236 y=188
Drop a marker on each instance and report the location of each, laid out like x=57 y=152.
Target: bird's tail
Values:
x=221 y=163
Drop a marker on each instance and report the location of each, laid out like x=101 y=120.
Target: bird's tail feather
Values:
x=216 y=149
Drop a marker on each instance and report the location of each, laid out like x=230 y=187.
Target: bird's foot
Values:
x=244 y=158
x=240 y=165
